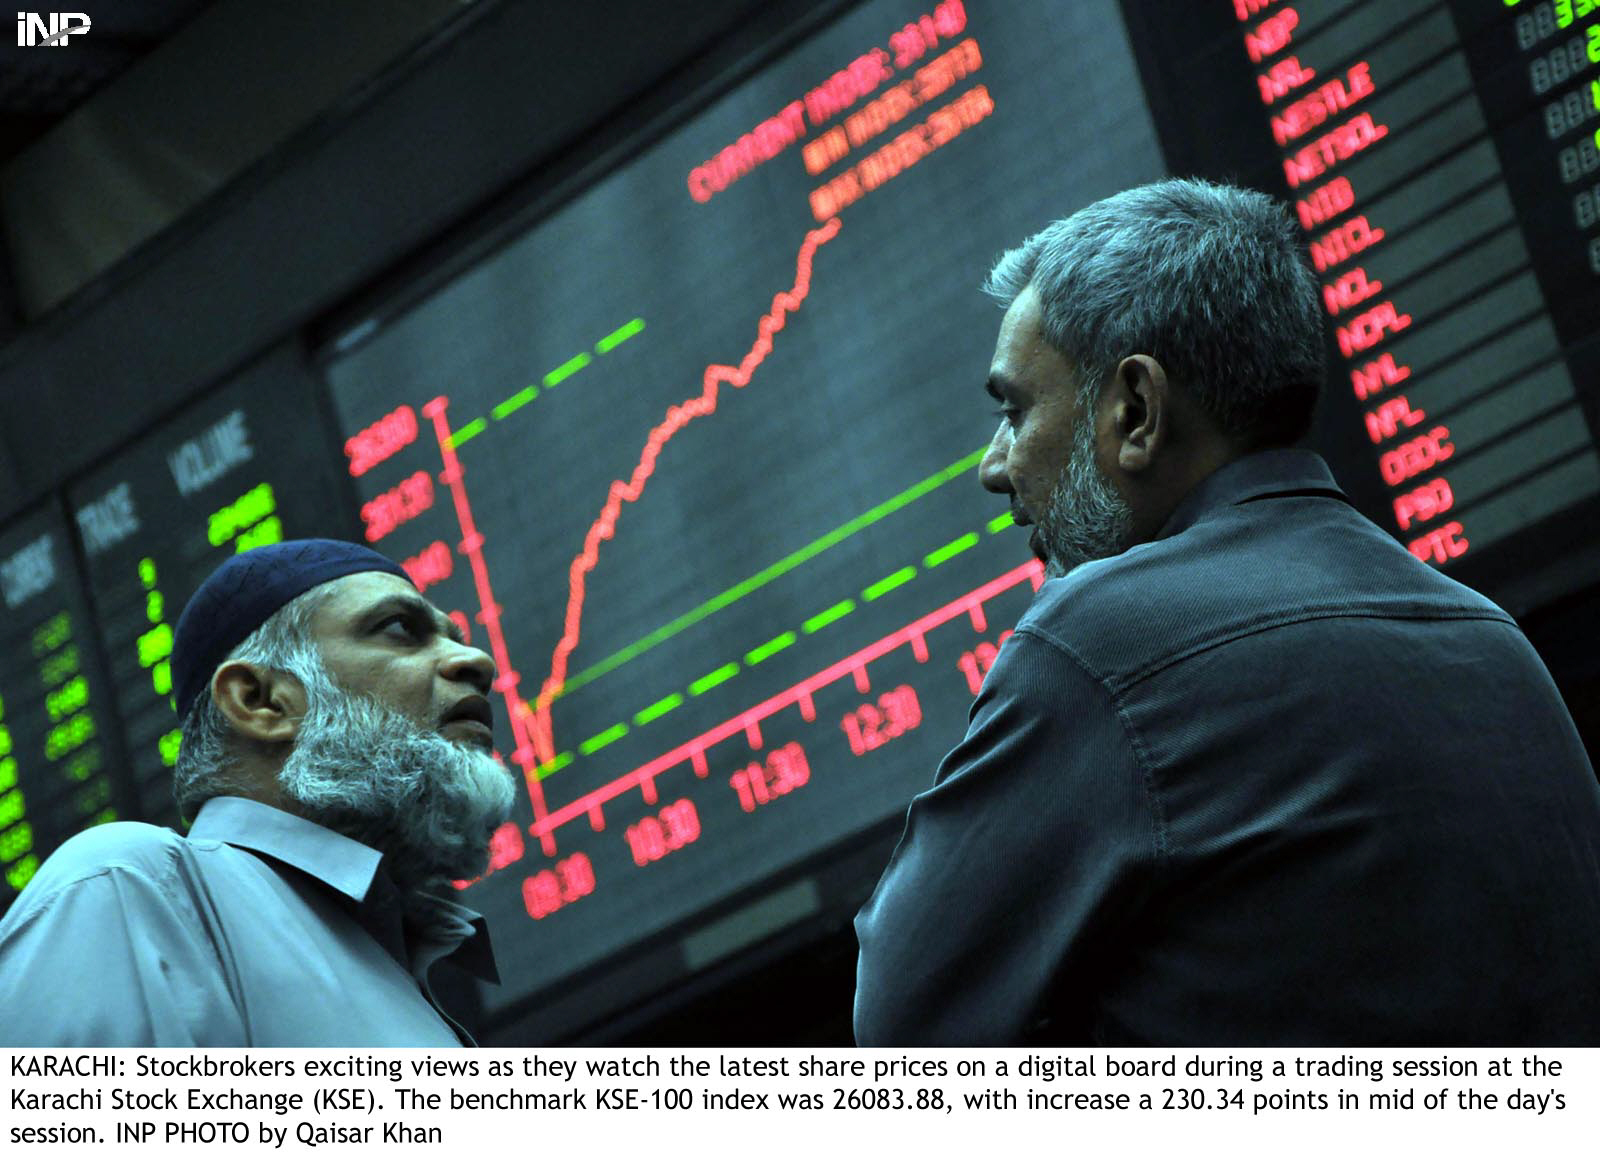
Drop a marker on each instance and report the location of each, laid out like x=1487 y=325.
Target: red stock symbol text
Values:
x=1349 y=290
x=1371 y=327
x=1324 y=102
x=1375 y=376
x=1272 y=35
x=1424 y=503
x=1443 y=544
x=1339 y=245
x=1354 y=136
x=1417 y=455
x=1323 y=204
x=1283 y=78
x=1386 y=421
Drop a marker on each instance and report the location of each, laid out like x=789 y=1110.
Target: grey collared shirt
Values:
x=258 y=929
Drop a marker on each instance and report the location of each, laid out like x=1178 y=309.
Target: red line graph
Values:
x=536 y=717
x=489 y=609
x=748 y=722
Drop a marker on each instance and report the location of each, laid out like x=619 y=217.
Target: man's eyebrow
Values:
x=417 y=607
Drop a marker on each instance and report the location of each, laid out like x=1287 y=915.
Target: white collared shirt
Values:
x=258 y=929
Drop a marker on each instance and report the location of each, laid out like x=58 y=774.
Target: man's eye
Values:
x=399 y=626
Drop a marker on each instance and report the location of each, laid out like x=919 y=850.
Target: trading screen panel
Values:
x=695 y=458
x=249 y=465
x=1441 y=158
x=58 y=751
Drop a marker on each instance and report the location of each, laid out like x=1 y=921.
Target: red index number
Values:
x=871 y=726
x=976 y=661
x=913 y=41
x=655 y=837
x=381 y=440
x=785 y=771
x=430 y=566
x=388 y=511
x=548 y=890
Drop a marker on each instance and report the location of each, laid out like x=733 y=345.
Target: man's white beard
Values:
x=372 y=774
x=1086 y=519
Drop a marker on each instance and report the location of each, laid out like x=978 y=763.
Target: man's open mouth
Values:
x=472 y=715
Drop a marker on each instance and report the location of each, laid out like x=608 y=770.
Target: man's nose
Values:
x=469 y=664
x=992 y=469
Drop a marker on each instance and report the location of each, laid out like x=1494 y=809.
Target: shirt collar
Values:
x=343 y=864
x=333 y=859
x=1269 y=473
x=474 y=952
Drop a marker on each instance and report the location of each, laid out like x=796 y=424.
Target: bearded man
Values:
x=1247 y=772
x=336 y=767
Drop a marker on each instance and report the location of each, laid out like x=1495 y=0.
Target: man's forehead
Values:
x=354 y=594
x=355 y=591
x=1023 y=320
x=1022 y=356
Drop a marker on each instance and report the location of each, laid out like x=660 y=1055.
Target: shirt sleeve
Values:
x=117 y=957
x=1015 y=871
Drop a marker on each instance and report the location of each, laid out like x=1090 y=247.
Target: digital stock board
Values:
x=691 y=447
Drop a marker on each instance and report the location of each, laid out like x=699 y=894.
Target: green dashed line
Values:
x=514 y=402
x=602 y=739
x=828 y=616
x=561 y=372
x=611 y=340
x=559 y=761
x=779 y=643
x=893 y=581
x=467 y=431
x=959 y=545
x=554 y=377
x=650 y=712
x=713 y=679
x=761 y=652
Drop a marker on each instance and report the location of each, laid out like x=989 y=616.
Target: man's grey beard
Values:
x=1086 y=519
x=372 y=774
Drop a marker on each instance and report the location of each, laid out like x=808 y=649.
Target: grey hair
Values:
x=1209 y=279
x=208 y=753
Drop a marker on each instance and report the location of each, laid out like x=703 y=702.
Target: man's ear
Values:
x=1142 y=413
x=261 y=704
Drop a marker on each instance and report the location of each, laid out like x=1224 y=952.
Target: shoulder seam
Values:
x=1158 y=811
x=1251 y=627
x=48 y=903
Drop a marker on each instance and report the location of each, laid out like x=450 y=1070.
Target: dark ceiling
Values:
x=41 y=85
